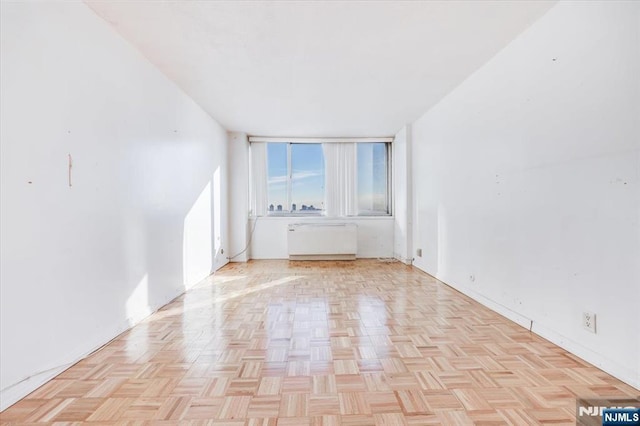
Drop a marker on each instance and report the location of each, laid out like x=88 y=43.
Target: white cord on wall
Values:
x=248 y=242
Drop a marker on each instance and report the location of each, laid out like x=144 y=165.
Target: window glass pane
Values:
x=307 y=180
x=277 y=177
x=372 y=178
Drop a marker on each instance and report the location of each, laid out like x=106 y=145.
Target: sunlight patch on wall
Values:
x=197 y=253
x=138 y=303
x=442 y=239
x=217 y=212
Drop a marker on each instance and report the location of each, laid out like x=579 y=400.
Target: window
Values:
x=295 y=174
x=278 y=175
x=373 y=179
x=334 y=178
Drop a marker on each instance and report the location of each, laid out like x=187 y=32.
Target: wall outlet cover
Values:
x=589 y=321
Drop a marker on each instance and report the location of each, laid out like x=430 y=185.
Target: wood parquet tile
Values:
x=277 y=343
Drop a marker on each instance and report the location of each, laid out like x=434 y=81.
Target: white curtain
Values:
x=259 y=179
x=340 y=190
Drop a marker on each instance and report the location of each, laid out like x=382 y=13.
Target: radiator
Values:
x=323 y=241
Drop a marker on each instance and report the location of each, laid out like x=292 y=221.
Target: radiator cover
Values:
x=323 y=241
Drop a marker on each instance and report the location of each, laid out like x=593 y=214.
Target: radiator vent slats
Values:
x=323 y=241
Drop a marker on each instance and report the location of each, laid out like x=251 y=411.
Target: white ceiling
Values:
x=318 y=68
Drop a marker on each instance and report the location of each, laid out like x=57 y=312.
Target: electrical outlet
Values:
x=589 y=321
x=419 y=252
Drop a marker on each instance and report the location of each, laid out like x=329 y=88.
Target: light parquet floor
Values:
x=320 y=344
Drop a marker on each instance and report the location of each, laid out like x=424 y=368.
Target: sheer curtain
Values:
x=340 y=179
x=259 y=179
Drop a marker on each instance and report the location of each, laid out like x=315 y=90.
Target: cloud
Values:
x=296 y=176
x=277 y=179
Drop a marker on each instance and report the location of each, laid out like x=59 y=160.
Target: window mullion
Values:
x=389 y=154
x=289 y=177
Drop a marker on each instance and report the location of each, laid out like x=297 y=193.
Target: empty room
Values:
x=320 y=213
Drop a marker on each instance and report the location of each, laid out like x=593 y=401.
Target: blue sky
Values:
x=307 y=163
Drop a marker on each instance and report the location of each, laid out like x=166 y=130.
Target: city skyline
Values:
x=303 y=208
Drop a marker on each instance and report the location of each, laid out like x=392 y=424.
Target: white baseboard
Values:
x=607 y=365
x=14 y=393
x=405 y=260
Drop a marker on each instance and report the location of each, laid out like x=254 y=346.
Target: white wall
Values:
x=144 y=218
x=402 y=196
x=526 y=177
x=269 y=241
x=238 y=196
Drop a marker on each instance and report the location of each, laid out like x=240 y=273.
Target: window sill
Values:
x=321 y=218
x=318 y=214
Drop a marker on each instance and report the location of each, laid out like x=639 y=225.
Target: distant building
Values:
x=293 y=207
x=271 y=208
x=279 y=207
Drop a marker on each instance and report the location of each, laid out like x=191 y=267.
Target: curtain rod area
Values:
x=318 y=140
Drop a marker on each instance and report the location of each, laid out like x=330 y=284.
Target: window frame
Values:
x=388 y=141
x=389 y=197
x=289 y=212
